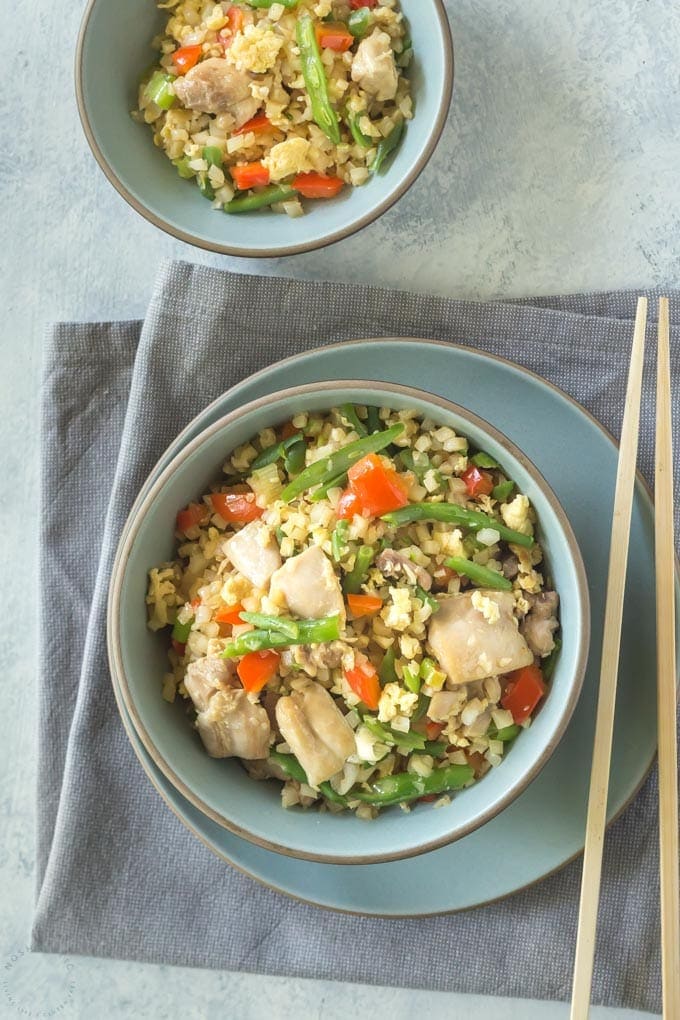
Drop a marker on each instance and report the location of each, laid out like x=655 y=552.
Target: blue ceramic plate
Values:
x=553 y=808
x=114 y=49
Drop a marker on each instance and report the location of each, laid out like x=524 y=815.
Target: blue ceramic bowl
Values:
x=221 y=788
x=113 y=51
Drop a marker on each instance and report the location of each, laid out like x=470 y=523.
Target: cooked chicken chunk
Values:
x=373 y=67
x=391 y=563
x=316 y=731
x=308 y=586
x=474 y=643
x=254 y=552
x=231 y=726
x=215 y=86
x=540 y=623
x=207 y=675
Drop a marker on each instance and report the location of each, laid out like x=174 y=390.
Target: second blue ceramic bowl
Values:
x=221 y=788
x=114 y=50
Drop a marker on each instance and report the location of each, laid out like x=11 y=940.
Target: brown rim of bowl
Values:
x=129 y=533
x=291 y=249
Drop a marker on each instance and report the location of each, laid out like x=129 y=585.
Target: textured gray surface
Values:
x=557 y=172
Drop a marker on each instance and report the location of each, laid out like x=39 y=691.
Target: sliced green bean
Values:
x=421 y=708
x=357 y=134
x=258 y=200
x=387 y=674
x=273 y=453
x=183 y=168
x=549 y=664
x=294 y=458
x=412 y=680
x=387 y=146
x=408 y=741
x=310 y=632
x=159 y=90
x=358 y=22
x=316 y=83
x=408 y=786
x=483 y=460
x=339 y=482
x=339 y=463
x=481 y=576
x=501 y=491
x=339 y=540
x=349 y=413
x=427 y=599
x=373 y=417
x=181 y=631
x=454 y=514
x=353 y=581
x=276 y=624
x=289 y=764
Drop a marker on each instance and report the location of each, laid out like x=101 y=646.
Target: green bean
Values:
x=181 y=631
x=550 y=662
x=273 y=453
x=204 y=185
x=478 y=574
x=483 y=460
x=314 y=74
x=276 y=624
x=407 y=786
x=373 y=417
x=349 y=413
x=289 y=764
x=408 y=741
x=421 y=708
x=158 y=89
x=434 y=747
x=501 y=491
x=358 y=22
x=454 y=514
x=183 y=168
x=419 y=467
x=294 y=458
x=339 y=463
x=507 y=733
x=355 y=578
x=412 y=680
x=212 y=154
x=357 y=134
x=387 y=674
x=310 y=632
x=266 y=196
x=387 y=147
x=427 y=599
x=428 y=667
x=339 y=482
x=339 y=540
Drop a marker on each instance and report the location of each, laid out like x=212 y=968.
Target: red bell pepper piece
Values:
x=378 y=488
x=236 y=507
x=477 y=483
x=250 y=175
x=523 y=693
x=332 y=36
x=193 y=515
x=257 y=668
x=257 y=125
x=364 y=605
x=186 y=57
x=230 y=614
x=365 y=683
x=314 y=185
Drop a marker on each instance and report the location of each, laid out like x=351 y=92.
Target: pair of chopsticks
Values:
x=666 y=689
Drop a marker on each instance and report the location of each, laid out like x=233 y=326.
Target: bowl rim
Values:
x=289 y=249
x=132 y=525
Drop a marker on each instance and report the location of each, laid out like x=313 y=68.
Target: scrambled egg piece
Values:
x=516 y=514
x=290 y=157
x=255 y=49
x=397 y=614
x=486 y=606
x=395 y=701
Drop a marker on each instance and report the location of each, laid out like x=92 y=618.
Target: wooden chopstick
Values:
x=666 y=676
x=604 y=724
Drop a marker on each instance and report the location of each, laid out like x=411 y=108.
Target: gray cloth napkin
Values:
x=117 y=873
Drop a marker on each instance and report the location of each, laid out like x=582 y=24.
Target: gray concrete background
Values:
x=557 y=172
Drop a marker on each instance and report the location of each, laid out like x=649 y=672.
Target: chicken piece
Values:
x=391 y=563
x=215 y=86
x=316 y=731
x=207 y=675
x=541 y=622
x=470 y=646
x=307 y=584
x=373 y=67
x=254 y=553
x=232 y=726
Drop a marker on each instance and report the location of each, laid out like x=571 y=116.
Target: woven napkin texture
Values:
x=117 y=874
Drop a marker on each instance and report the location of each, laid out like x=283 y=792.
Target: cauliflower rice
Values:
x=233 y=104
x=406 y=629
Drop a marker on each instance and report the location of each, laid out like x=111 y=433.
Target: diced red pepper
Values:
x=257 y=124
x=236 y=507
x=523 y=693
x=378 y=488
x=477 y=483
x=314 y=185
x=235 y=22
x=364 y=605
x=257 y=668
x=333 y=36
x=230 y=614
x=193 y=515
x=348 y=506
x=178 y=646
x=186 y=57
x=356 y=4
x=250 y=175
x=433 y=729
x=365 y=683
